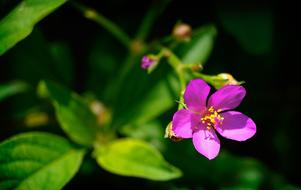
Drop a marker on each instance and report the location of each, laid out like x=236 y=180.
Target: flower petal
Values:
x=227 y=98
x=182 y=123
x=196 y=94
x=236 y=126
x=206 y=142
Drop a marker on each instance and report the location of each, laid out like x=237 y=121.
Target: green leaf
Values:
x=151 y=132
x=130 y=157
x=145 y=97
x=200 y=46
x=62 y=61
x=157 y=100
x=20 y=22
x=12 y=88
x=37 y=160
x=73 y=114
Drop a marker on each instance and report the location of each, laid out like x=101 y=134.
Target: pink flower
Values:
x=201 y=119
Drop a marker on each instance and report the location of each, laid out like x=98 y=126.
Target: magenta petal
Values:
x=236 y=126
x=227 y=98
x=206 y=142
x=182 y=123
x=196 y=94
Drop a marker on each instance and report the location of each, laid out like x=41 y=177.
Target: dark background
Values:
x=271 y=73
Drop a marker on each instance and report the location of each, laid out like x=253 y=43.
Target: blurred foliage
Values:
x=198 y=49
x=12 y=88
x=74 y=116
x=74 y=63
x=253 y=29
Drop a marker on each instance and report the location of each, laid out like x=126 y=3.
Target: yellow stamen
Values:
x=212 y=118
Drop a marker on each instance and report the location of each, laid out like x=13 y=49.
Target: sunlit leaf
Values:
x=37 y=161
x=20 y=22
x=130 y=157
x=73 y=114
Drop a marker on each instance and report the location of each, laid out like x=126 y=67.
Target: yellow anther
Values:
x=211 y=118
x=211 y=109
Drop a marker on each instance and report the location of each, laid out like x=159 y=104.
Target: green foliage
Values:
x=12 y=88
x=151 y=132
x=37 y=161
x=49 y=60
x=252 y=29
x=20 y=22
x=199 y=48
x=142 y=103
x=62 y=61
x=130 y=157
x=73 y=114
x=131 y=106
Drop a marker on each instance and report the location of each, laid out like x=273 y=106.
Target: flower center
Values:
x=211 y=118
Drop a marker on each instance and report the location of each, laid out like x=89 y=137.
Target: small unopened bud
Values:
x=170 y=134
x=147 y=62
x=196 y=67
x=103 y=115
x=224 y=79
x=182 y=32
x=229 y=79
x=36 y=119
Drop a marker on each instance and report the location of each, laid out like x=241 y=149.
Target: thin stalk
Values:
x=177 y=65
x=150 y=17
x=107 y=24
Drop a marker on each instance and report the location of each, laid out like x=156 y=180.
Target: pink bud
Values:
x=146 y=62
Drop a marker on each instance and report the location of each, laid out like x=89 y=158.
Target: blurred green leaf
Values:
x=50 y=60
x=19 y=22
x=37 y=161
x=198 y=49
x=146 y=97
x=62 y=61
x=130 y=157
x=73 y=114
x=12 y=88
x=252 y=29
x=157 y=100
x=151 y=132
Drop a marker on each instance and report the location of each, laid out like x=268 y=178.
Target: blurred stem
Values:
x=111 y=27
x=150 y=17
x=137 y=46
x=177 y=65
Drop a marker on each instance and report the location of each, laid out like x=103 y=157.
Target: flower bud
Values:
x=182 y=32
x=229 y=78
x=223 y=79
x=170 y=134
x=147 y=62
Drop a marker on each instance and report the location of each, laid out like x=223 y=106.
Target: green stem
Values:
x=207 y=78
x=111 y=27
x=138 y=48
x=153 y=13
x=177 y=65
